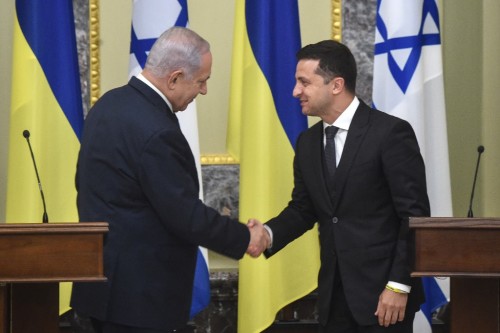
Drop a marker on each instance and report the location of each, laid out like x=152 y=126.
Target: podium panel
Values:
x=456 y=247
x=34 y=258
x=468 y=251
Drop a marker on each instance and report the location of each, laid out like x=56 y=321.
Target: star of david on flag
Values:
x=403 y=51
x=408 y=83
x=150 y=18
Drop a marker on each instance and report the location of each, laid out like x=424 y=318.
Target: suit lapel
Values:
x=355 y=135
x=315 y=155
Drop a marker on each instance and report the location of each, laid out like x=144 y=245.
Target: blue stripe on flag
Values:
x=48 y=25
x=182 y=20
x=140 y=47
x=434 y=297
x=201 y=286
x=406 y=42
x=275 y=39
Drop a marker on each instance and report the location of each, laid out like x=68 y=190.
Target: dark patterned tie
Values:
x=330 y=159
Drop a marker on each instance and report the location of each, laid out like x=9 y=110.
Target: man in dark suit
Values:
x=136 y=171
x=361 y=183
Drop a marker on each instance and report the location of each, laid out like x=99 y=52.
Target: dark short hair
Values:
x=335 y=60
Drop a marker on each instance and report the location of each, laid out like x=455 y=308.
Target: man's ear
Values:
x=174 y=78
x=337 y=85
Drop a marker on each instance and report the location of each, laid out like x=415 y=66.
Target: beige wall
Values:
x=471 y=47
x=491 y=107
x=463 y=82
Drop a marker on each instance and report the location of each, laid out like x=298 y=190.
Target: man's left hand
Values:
x=391 y=307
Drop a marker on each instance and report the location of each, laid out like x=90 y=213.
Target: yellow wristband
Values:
x=396 y=290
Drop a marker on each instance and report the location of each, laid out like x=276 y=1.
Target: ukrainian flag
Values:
x=46 y=100
x=264 y=123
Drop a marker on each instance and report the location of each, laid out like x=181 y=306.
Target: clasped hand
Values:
x=259 y=238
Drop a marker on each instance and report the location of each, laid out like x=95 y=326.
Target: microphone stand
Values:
x=45 y=217
x=480 y=150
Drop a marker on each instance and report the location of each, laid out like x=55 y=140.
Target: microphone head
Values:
x=26 y=134
x=480 y=149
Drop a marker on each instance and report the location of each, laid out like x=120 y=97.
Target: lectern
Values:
x=468 y=251
x=34 y=258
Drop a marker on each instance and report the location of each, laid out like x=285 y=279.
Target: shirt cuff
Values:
x=400 y=286
x=270 y=232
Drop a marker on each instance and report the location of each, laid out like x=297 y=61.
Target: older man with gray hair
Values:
x=137 y=172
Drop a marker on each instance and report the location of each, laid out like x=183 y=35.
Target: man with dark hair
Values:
x=360 y=175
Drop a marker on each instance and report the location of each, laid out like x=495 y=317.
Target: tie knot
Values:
x=331 y=131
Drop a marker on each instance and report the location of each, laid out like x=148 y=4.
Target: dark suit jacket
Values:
x=136 y=171
x=363 y=220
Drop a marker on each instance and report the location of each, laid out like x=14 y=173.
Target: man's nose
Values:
x=204 y=89
x=296 y=91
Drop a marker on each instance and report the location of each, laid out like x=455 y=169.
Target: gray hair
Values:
x=176 y=48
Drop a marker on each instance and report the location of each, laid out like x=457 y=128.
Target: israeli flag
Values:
x=149 y=19
x=408 y=83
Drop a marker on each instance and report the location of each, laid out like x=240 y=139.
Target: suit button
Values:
x=335 y=219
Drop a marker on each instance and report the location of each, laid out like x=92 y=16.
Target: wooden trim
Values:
x=53 y=228
x=455 y=223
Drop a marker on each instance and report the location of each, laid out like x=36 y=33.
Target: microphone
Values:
x=45 y=217
x=480 y=150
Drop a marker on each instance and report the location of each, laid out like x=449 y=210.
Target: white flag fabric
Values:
x=149 y=19
x=408 y=83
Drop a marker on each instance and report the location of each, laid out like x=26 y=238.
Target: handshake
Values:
x=260 y=239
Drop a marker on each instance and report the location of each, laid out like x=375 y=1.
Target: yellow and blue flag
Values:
x=46 y=100
x=264 y=123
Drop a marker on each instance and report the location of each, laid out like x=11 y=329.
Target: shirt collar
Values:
x=345 y=118
x=146 y=81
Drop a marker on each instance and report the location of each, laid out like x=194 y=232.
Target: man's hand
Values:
x=259 y=238
x=391 y=307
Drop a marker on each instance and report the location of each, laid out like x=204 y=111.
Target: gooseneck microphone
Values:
x=480 y=150
x=45 y=217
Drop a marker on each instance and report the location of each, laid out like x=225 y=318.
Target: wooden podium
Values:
x=468 y=251
x=34 y=258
